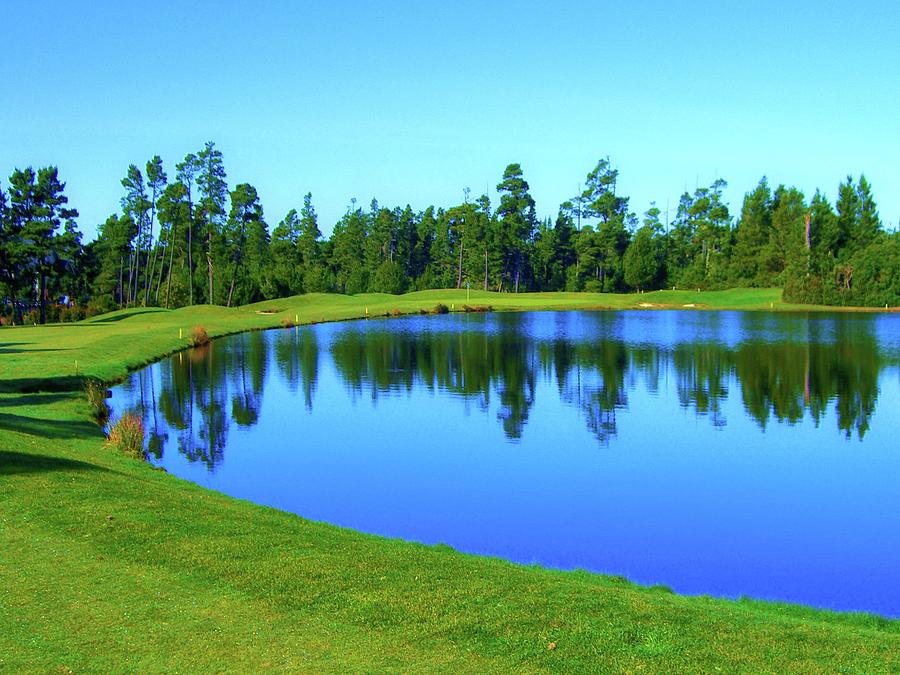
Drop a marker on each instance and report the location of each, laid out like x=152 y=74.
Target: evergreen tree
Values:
x=245 y=220
x=786 y=252
x=136 y=206
x=841 y=240
x=488 y=235
x=752 y=238
x=822 y=228
x=868 y=224
x=211 y=208
x=37 y=208
x=641 y=263
x=599 y=197
x=187 y=175
x=563 y=248
x=606 y=248
x=156 y=184
x=174 y=213
x=309 y=248
x=8 y=238
x=348 y=253
x=286 y=276
x=517 y=222
x=113 y=249
x=407 y=243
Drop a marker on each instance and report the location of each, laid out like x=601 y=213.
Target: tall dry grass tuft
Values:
x=198 y=336
x=440 y=308
x=127 y=435
x=96 y=396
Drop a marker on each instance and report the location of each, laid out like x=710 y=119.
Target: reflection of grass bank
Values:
x=109 y=346
x=106 y=563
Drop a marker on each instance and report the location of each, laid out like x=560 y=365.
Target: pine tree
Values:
x=517 y=221
x=752 y=238
x=641 y=261
x=156 y=184
x=135 y=205
x=286 y=274
x=868 y=224
x=245 y=217
x=211 y=208
x=37 y=208
x=187 y=174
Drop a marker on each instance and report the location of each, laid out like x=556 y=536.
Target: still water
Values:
x=720 y=453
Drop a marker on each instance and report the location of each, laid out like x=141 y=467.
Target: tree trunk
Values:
x=130 y=279
x=137 y=263
x=43 y=298
x=151 y=257
x=190 y=247
x=230 y=291
x=171 y=259
x=209 y=262
x=162 y=263
x=485 y=269
x=121 y=278
x=459 y=267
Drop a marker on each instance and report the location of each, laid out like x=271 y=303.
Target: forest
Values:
x=184 y=237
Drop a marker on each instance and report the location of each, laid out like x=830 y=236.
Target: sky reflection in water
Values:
x=719 y=453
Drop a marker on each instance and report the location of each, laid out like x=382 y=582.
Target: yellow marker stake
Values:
x=179 y=333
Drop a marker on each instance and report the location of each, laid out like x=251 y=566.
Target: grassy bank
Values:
x=107 y=564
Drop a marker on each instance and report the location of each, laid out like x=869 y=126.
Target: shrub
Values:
x=477 y=308
x=127 y=435
x=440 y=308
x=286 y=322
x=396 y=312
x=96 y=396
x=198 y=336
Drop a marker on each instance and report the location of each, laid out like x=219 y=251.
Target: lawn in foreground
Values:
x=108 y=564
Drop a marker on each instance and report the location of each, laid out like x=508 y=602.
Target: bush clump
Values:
x=440 y=308
x=127 y=435
x=198 y=336
x=287 y=322
x=477 y=308
x=96 y=396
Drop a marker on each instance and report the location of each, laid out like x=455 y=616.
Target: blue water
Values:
x=727 y=454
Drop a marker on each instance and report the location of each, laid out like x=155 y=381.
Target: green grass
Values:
x=107 y=564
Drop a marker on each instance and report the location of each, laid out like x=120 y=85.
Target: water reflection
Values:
x=783 y=368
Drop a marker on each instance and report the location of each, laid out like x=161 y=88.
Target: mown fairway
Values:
x=107 y=564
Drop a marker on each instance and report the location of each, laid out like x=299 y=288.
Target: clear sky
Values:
x=411 y=102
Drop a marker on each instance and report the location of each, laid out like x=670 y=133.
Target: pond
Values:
x=719 y=453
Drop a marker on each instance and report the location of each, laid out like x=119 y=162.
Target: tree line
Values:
x=184 y=237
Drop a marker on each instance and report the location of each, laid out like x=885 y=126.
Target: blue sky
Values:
x=412 y=102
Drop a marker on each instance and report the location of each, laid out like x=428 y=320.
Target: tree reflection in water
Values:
x=783 y=367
